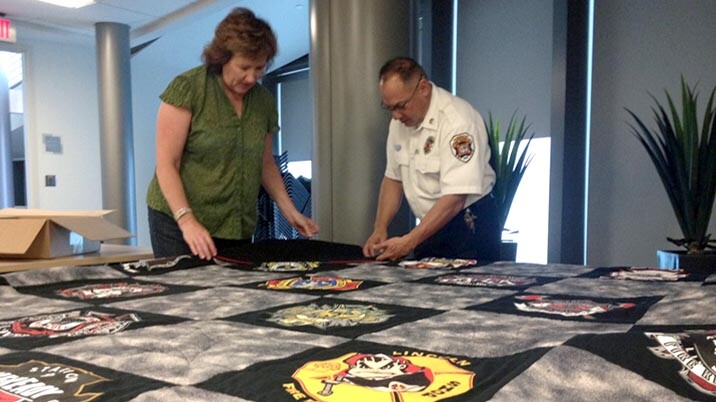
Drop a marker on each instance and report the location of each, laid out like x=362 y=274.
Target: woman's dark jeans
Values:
x=168 y=241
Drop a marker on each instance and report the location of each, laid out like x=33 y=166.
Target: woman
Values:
x=214 y=137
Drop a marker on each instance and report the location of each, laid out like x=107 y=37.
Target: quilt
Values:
x=303 y=320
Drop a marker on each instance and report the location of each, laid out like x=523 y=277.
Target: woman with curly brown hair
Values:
x=215 y=128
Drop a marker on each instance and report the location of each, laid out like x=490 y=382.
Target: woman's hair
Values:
x=242 y=33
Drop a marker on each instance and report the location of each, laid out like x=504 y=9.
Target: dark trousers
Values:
x=168 y=241
x=474 y=233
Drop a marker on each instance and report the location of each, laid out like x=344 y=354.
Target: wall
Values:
x=504 y=64
x=296 y=117
x=504 y=59
x=61 y=99
x=640 y=47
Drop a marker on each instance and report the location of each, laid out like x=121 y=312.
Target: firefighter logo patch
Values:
x=437 y=263
x=462 y=147
x=111 y=290
x=288 y=266
x=329 y=315
x=314 y=283
x=383 y=378
x=39 y=381
x=696 y=352
x=485 y=280
x=69 y=324
x=566 y=308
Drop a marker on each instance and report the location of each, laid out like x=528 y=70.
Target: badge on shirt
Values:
x=428 y=146
x=462 y=146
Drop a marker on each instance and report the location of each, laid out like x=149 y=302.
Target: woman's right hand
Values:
x=197 y=237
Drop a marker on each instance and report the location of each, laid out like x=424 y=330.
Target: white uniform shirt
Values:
x=448 y=153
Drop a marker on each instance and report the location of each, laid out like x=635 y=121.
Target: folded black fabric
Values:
x=293 y=250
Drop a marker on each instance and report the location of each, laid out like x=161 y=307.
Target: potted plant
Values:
x=509 y=161
x=685 y=158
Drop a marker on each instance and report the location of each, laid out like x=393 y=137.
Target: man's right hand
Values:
x=370 y=249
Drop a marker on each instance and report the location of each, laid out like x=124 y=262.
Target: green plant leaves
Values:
x=508 y=161
x=685 y=159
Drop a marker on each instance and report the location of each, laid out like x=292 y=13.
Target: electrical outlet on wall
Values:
x=50 y=180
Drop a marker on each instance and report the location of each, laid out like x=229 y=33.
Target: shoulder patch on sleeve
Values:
x=462 y=146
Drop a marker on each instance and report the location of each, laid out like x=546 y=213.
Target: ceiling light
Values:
x=70 y=3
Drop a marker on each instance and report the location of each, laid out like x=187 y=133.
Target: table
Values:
x=345 y=330
x=108 y=253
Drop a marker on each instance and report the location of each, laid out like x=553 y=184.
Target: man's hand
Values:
x=395 y=248
x=370 y=248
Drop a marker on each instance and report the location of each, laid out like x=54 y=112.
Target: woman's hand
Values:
x=303 y=225
x=197 y=237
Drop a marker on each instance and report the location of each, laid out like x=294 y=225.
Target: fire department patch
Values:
x=288 y=266
x=575 y=308
x=158 y=266
x=437 y=263
x=111 y=290
x=314 y=283
x=567 y=308
x=428 y=146
x=329 y=315
x=69 y=324
x=359 y=371
x=696 y=352
x=486 y=280
x=383 y=378
x=334 y=316
x=462 y=146
x=36 y=380
x=31 y=376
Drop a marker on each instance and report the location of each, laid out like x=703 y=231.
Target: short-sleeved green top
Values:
x=221 y=163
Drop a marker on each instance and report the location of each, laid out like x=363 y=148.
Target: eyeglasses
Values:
x=399 y=107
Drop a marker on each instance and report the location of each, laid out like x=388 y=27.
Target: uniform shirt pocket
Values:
x=428 y=174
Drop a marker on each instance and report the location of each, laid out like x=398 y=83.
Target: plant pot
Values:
x=673 y=260
x=508 y=251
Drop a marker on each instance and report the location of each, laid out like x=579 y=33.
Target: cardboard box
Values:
x=33 y=233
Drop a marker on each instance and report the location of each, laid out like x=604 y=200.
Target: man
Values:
x=438 y=154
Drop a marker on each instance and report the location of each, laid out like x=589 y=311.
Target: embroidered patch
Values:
x=428 y=145
x=462 y=147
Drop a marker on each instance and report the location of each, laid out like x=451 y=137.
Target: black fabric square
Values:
x=313 y=284
x=104 y=291
x=488 y=280
x=366 y=371
x=33 y=376
x=572 y=308
x=30 y=332
x=333 y=316
x=684 y=362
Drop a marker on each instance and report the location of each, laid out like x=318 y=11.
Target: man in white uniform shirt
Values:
x=438 y=155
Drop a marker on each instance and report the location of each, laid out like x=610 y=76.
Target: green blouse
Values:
x=221 y=163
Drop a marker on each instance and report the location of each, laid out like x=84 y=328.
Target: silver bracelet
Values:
x=181 y=212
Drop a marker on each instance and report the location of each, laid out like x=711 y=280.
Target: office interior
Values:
x=571 y=67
